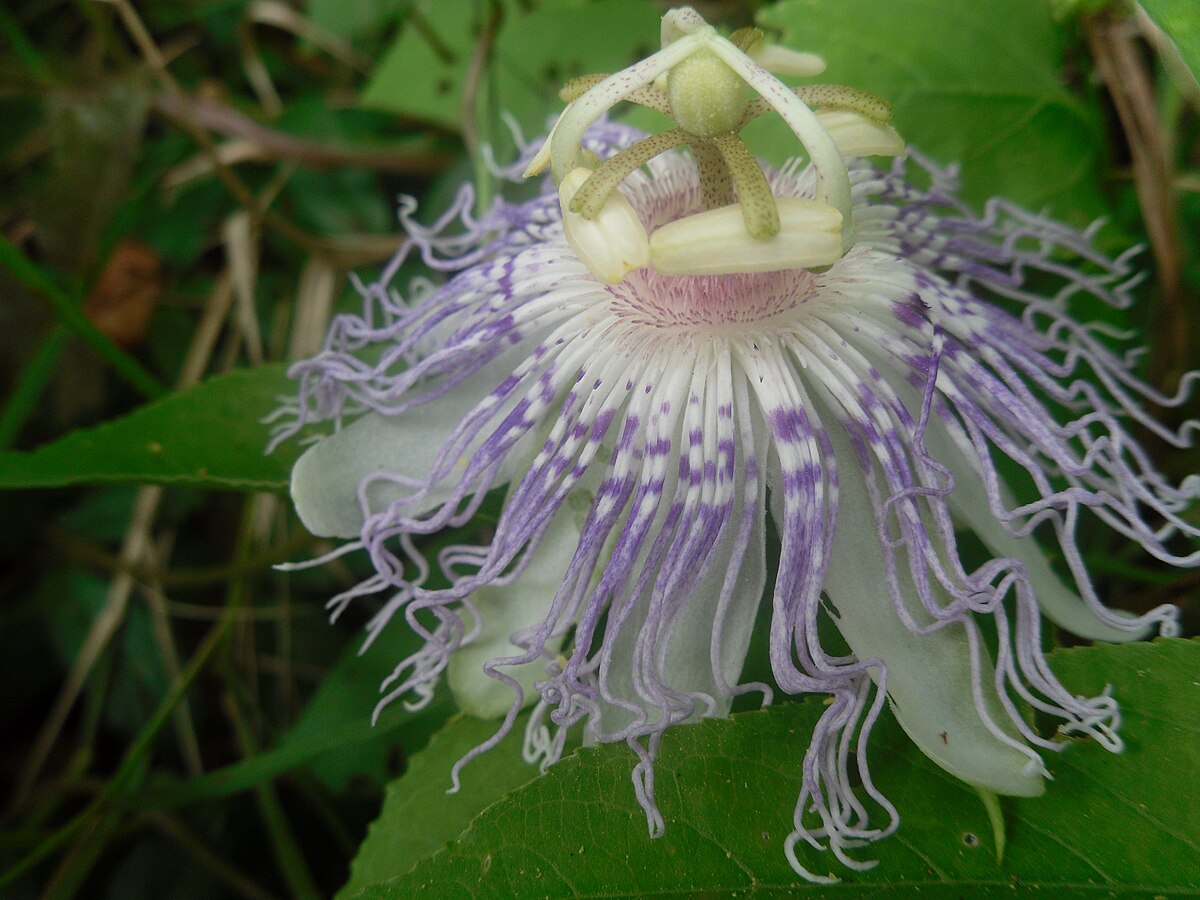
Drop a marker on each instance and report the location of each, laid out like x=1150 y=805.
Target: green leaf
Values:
x=393 y=844
x=210 y=435
x=1109 y=825
x=340 y=201
x=536 y=51
x=973 y=83
x=343 y=706
x=1180 y=19
x=354 y=20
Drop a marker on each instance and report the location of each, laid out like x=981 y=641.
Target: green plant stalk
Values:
x=479 y=105
x=995 y=814
x=79 y=861
x=248 y=773
x=23 y=49
x=31 y=383
x=288 y=856
x=134 y=760
x=70 y=315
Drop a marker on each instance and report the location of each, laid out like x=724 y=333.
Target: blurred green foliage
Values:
x=184 y=187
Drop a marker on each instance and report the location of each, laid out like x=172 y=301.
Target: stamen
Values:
x=747 y=40
x=716 y=242
x=786 y=61
x=833 y=181
x=759 y=210
x=856 y=135
x=839 y=96
x=600 y=185
x=704 y=82
x=613 y=242
x=564 y=149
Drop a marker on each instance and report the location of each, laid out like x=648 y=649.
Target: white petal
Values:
x=929 y=677
x=856 y=135
x=325 y=479
x=614 y=242
x=689 y=662
x=715 y=242
x=505 y=610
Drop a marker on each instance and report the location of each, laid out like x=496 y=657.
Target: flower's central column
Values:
x=704 y=82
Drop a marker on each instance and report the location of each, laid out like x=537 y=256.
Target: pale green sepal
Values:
x=929 y=676
x=325 y=480
x=969 y=503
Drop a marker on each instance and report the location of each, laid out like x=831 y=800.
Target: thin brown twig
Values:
x=80 y=549
x=283 y=667
x=421 y=26
x=103 y=628
x=181 y=609
x=468 y=109
x=275 y=144
x=281 y=15
x=185 y=728
x=1112 y=44
x=135 y=548
x=154 y=58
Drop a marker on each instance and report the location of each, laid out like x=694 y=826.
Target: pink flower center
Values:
x=674 y=301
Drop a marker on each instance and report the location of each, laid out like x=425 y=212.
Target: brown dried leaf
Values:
x=126 y=293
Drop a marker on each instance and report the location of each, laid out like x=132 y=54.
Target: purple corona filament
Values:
x=645 y=431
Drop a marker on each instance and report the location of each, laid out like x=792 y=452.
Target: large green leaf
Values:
x=1180 y=19
x=354 y=20
x=1109 y=825
x=210 y=435
x=419 y=818
x=974 y=83
x=538 y=47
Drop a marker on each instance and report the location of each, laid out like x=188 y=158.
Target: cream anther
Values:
x=611 y=244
